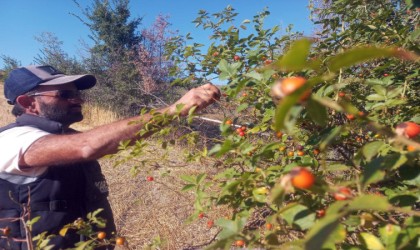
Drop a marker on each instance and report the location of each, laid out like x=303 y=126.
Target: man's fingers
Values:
x=212 y=91
x=200 y=97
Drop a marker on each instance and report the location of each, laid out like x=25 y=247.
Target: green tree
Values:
x=53 y=54
x=115 y=36
x=10 y=63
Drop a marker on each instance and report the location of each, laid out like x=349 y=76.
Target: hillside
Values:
x=149 y=213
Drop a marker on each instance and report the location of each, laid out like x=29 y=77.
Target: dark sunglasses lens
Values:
x=69 y=94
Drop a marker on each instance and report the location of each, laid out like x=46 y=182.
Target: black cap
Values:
x=22 y=80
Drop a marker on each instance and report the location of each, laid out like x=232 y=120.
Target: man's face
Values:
x=64 y=110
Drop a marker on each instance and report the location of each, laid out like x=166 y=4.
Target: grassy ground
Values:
x=148 y=213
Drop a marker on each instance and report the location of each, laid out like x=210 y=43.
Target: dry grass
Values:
x=5 y=116
x=145 y=211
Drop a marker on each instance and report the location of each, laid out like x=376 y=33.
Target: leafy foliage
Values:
x=362 y=69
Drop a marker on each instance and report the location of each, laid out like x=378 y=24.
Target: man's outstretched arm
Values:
x=93 y=144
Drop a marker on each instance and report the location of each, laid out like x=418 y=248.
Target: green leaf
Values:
x=328 y=103
x=200 y=177
x=298 y=215
x=328 y=228
x=336 y=237
x=188 y=187
x=227 y=70
x=372 y=27
x=282 y=111
x=229 y=189
x=260 y=194
x=320 y=233
x=371 y=241
x=410 y=175
x=230 y=228
x=375 y=169
x=218 y=150
x=254 y=75
x=295 y=58
x=369 y=202
x=358 y=55
x=188 y=178
x=376 y=97
x=393 y=102
x=83 y=245
x=317 y=112
x=277 y=195
x=327 y=138
x=371 y=149
x=241 y=107
x=404 y=200
x=389 y=234
x=412 y=225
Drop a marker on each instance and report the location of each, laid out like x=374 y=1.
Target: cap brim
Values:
x=81 y=81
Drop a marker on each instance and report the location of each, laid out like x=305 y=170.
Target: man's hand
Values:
x=199 y=97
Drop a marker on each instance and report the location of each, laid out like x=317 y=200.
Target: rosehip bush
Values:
x=361 y=70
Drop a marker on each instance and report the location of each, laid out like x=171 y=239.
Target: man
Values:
x=50 y=170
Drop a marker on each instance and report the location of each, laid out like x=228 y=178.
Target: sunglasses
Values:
x=62 y=94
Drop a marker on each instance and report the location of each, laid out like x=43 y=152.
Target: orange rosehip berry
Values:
x=120 y=241
x=239 y=243
x=302 y=178
x=351 y=117
x=291 y=84
x=268 y=62
x=101 y=235
x=320 y=213
x=6 y=231
x=408 y=129
x=210 y=224
x=343 y=193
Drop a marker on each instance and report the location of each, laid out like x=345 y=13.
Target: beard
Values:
x=63 y=115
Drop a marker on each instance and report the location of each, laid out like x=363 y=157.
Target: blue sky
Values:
x=22 y=20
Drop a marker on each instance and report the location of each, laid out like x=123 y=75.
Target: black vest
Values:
x=60 y=196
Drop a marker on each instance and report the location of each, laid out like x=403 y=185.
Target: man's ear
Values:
x=27 y=102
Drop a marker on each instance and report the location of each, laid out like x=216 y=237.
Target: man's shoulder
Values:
x=16 y=131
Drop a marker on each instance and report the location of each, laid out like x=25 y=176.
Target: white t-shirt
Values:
x=13 y=144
